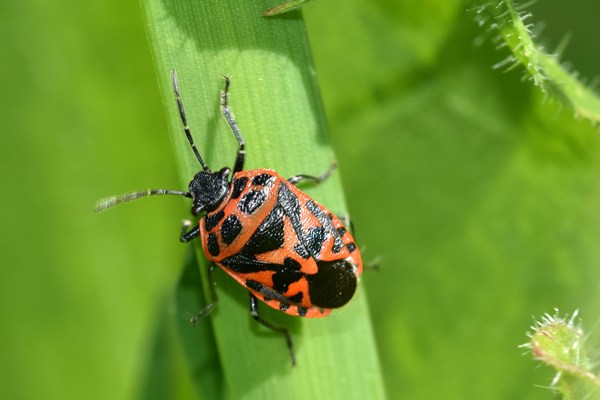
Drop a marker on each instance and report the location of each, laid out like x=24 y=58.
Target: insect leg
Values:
x=314 y=179
x=226 y=111
x=347 y=223
x=212 y=294
x=279 y=329
x=186 y=235
x=373 y=264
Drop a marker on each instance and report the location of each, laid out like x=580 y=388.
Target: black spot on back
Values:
x=269 y=236
x=212 y=244
x=263 y=179
x=341 y=231
x=290 y=204
x=318 y=212
x=230 y=229
x=292 y=264
x=351 y=247
x=333 y=285
x=314 y=240
x=284 y=278
x=247 y=264
x=284 y=306
x=301 y=251
x=297 y=298
x=251 y=201
x=238 y=187
x=212 y=220
x=302 y=311
x=326 y=219
x=336 y=247
x=312 y=206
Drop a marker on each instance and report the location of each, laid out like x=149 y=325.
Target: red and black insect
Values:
x=289 y=251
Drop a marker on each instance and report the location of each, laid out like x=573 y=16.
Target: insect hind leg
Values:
x=294 y=180
x=279 y=329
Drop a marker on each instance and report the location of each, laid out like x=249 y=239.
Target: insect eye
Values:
x=196 y=210
x=224 y=172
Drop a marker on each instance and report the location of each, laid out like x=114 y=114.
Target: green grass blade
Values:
x=276 y=103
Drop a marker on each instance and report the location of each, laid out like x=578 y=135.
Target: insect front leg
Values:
x=213 y=299
x=187 y=235
x=278 y=329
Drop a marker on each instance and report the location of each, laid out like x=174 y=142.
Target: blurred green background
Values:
x=479 y=193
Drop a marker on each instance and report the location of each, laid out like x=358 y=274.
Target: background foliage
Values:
x=479 y=192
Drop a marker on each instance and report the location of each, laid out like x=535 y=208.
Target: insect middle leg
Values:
x=294 y=180
x=278 y=329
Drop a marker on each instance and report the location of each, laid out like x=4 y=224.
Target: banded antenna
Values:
x=109 y=202
x=112 y=201
x=186 y=128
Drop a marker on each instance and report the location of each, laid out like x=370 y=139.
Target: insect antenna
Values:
x=186 y=128
x=112 y=201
